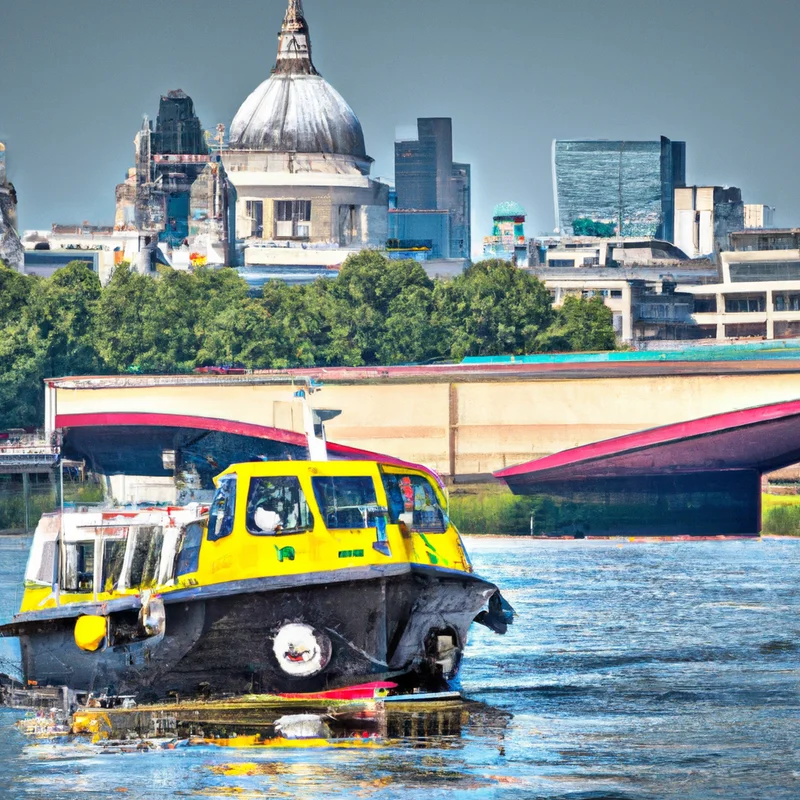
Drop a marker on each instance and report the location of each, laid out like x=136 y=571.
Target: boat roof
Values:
x=256 y=469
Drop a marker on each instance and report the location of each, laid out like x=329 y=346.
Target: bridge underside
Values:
x=698 y=478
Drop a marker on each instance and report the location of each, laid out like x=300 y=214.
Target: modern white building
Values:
x=298 y=167
x=101 y=247
x=758 y=297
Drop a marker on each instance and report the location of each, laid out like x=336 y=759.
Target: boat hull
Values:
x=409 y=626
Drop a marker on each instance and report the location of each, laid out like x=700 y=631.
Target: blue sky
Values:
x=513 y=74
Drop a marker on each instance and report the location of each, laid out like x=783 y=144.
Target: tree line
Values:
x=377 y=312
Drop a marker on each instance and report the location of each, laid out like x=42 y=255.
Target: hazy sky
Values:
x=77 y=77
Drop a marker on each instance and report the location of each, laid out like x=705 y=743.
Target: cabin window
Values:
x=277 y=506
x=79 y=567
x=189 y=557
x=345 y=503
x=220 y=518
x=41 y=570
x=146 y=557
x=113 y=561
x=414 y=494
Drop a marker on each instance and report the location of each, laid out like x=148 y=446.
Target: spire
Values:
x=294 y=43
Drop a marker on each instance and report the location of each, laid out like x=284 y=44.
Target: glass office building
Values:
x=630 y=185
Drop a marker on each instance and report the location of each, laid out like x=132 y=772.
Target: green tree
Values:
x=15 y=292
x=243 y=334
x=493 y=308
x=301 y=316
x=589 y=227
x=172 y=323
x=370 y=311
x=60 y=317
x=120 y=319
x=22 y=370
x=583 y=325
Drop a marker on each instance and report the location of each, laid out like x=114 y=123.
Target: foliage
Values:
x=491 y=511
x=493 y=309
x=582 y=325
x=377 y=312
x=589 y=227
x=781 y=515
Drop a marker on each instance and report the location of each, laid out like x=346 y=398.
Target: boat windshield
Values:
x=414 y=495
x=113 y=560
x=220 y=518
x=277 y=506
x=346 y=502
x=146 y=556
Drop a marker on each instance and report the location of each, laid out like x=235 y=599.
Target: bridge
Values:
x=465 y=421
x=620 y=443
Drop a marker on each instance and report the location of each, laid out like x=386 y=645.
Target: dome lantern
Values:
x=294 y=43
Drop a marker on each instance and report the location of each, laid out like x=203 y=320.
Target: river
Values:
x=633 y=671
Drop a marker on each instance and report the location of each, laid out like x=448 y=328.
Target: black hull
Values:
x=232 y=642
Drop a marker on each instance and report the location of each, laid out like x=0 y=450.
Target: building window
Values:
x=705 y=305
x=616 y=294
x=746 y=330
x=786 y=302
x=254 y=211
x=292 y=219
x=745 y=304
x=561 y=262
x=765 y=271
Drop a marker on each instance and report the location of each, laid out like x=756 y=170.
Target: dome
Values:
x=508 y=209
x=297 y=113
x=296 y=110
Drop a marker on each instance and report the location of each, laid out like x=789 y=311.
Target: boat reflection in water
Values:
x=278 y=723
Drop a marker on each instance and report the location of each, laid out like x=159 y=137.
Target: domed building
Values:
x=299 y=169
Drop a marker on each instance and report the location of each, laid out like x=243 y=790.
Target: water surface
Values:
x=632 y=671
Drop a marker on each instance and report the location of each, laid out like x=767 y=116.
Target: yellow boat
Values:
x=302 y=576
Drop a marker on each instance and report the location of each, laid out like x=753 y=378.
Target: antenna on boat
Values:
x=58 y=560
x=314 y=420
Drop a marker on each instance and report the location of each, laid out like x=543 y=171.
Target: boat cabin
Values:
x=267 y=519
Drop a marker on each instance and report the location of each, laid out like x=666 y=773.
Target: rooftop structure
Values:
x=704 y=218
x=298 y=169
x=758 y=216
x=593 y=251
x=508 y=234
x=774 y=239
x=626 y=187
x=101 y=247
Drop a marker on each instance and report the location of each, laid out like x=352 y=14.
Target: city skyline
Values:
x=70 y=111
